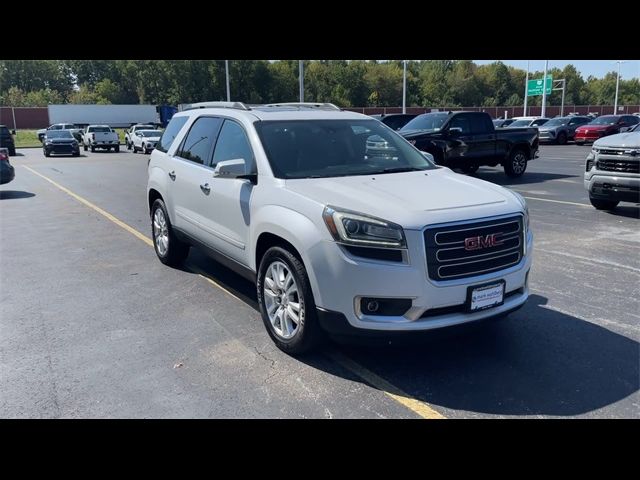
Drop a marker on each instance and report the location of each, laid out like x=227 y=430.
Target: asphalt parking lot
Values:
x=93 y=325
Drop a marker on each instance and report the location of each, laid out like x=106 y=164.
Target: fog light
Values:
x=384 y=306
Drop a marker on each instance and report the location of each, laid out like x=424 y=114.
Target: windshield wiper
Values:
x=400 y=169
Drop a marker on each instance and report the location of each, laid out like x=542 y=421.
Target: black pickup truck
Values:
x=468 y=140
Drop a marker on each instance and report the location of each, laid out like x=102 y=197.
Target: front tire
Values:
x=562 y=138
x=170 y=250
x=517 y=164
x=93 y=148
x=116 y=148
x=470 y=168
x=286 y=302
x=85 y=147
x=602 y=204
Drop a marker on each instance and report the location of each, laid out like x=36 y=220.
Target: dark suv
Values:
x=395 y=121
x=6 y=139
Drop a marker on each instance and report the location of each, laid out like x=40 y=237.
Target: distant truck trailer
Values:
x=115 y=116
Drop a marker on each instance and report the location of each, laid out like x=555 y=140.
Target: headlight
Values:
x=523 y=202
x=48 y=142
x=359 y=229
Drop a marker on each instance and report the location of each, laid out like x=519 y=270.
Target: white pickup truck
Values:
x=100 y=136
x=128 y=140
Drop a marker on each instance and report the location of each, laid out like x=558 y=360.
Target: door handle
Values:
x=205 y=188
x=172 y=175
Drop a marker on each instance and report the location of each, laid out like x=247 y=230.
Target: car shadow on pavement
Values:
x=15 y=194
x=498 y=177
x=628 y=211
x=537 y=361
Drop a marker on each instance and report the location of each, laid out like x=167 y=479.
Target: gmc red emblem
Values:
x=477 y=243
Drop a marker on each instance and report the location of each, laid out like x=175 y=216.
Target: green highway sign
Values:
x=534 y=87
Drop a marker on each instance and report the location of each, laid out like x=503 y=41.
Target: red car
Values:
x=603 y=126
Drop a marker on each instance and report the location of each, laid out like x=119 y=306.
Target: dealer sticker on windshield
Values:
x=486 y=296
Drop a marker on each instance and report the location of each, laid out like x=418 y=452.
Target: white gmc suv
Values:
x=339 y=237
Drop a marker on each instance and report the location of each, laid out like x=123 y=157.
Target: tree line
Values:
x=356 y=83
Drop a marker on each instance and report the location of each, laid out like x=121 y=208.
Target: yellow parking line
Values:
x=416 y=406
x=118 y=222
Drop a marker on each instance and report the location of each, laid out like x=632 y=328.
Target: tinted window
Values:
x=99 y=129
x=170 y=133
x=631 y=119
x=540 y=121
x=233 y=144
x=462 y=122
x=198 y=143
x=480 y=123
x=335 y=148
x=4 y=131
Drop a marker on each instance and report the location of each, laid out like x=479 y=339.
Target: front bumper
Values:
x=589 y=136
x=62 y=150
x=610 y=186
x=341 y=280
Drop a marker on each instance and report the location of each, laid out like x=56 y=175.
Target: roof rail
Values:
x=236 y=105
x=319 y=106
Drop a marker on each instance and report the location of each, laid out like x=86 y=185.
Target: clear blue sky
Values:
x=597 y=68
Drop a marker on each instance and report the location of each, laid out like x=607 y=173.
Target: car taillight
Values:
x=4 y=157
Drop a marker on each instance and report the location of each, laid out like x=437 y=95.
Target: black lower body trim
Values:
x=336 y=324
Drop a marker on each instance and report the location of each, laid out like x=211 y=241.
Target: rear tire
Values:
x=579 y=143
x=517 y=164
x=562 y=138
x=85 y=147
x=12 y=152
x=304 y=334
x=117 y=149
x=601 y=204
x=170 y=250
x=93 y=149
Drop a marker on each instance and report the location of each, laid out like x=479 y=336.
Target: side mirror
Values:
x=428 y=156
x=455 y=131
x=13 y=132
x=231 y=168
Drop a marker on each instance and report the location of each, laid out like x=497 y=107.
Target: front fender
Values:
x=293 y=227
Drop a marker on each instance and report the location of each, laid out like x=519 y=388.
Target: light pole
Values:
x=226 y=68
x=544 y=89
x=615 y=103
x=526 y=91
x=301 y=73
x=404 y=86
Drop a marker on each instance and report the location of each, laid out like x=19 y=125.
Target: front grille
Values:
x=468 y=250
x=624 y=166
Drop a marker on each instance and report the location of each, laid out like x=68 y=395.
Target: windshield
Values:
x=606 y=120
x=99 y=129
x=149 y=133
x=336 y=148
x=426 y=121
x=554 y=122
x=520 y=123
x=59 y=134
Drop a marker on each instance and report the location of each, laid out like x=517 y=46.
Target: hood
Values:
x=416 y=133
x=631 y=140
x=593 y=127
x=544 y=128
x=411 y=199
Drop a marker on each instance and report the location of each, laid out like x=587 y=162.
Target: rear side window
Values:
x=198 y=143
x=233 y=144
x=170 y=133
